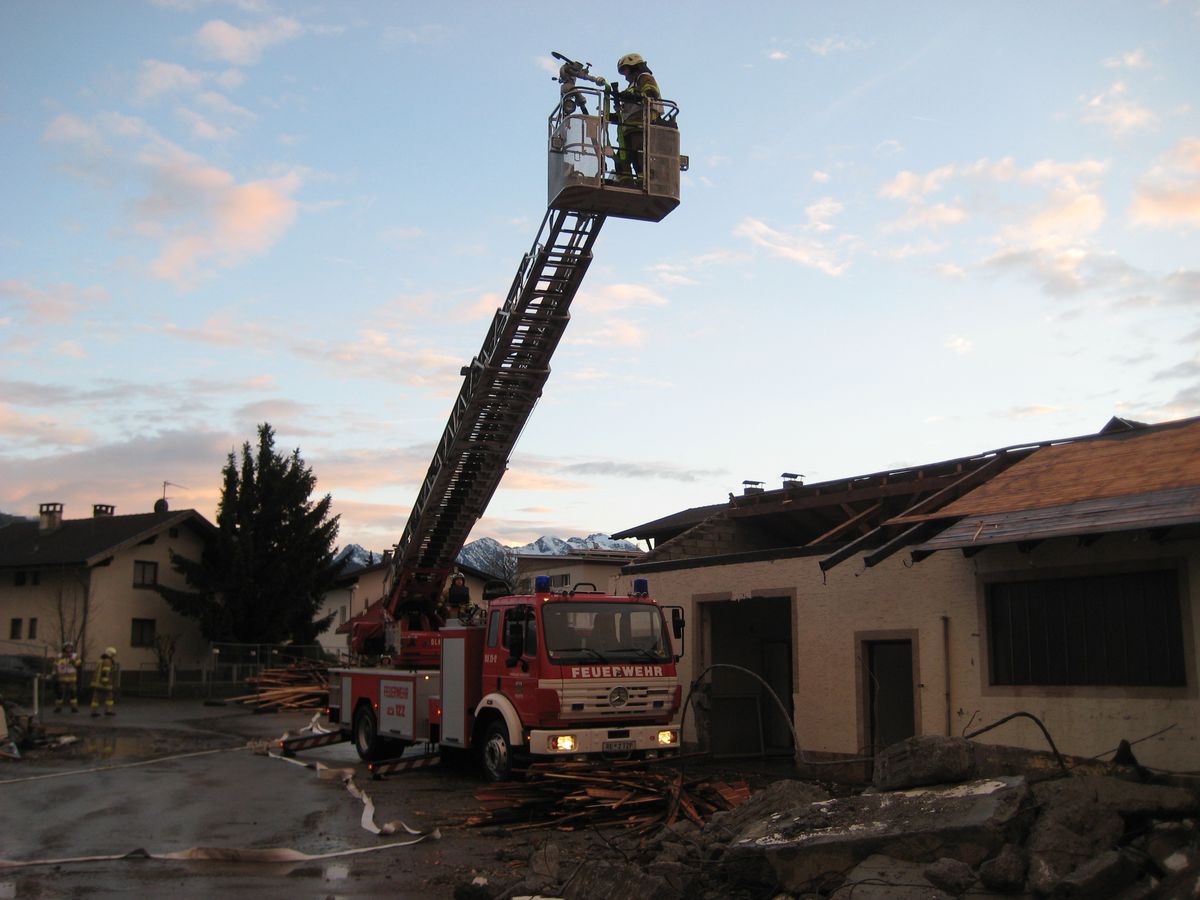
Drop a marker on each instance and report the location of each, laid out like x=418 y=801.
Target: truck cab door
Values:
x=519 y=675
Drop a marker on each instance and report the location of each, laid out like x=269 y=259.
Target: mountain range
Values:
x=490 y=556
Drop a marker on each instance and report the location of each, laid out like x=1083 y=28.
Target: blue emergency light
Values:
x=542 y=584
x=641 y=586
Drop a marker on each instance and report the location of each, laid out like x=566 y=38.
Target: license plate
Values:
x=618 y=746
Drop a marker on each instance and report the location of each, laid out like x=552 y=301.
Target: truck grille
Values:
x=584 y=699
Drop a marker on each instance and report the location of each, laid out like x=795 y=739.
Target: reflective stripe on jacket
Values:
x=66 y=668
x=103 y=676
x=643 y=87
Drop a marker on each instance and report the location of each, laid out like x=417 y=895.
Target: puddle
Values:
x=8 y=889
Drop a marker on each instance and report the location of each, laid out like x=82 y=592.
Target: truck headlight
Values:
x=668 y=738
x=561 y=743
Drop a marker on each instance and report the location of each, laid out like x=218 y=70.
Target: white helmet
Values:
x=629 y=59
x=110 y=651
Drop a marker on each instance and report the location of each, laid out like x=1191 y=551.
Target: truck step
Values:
x=391 y=766
x=290 y=744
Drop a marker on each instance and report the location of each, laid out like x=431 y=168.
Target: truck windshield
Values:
x=578 y=631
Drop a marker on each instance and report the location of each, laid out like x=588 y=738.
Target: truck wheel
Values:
x=495 y=752
x=367 y=741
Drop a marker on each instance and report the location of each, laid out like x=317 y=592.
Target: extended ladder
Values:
x=500 y=388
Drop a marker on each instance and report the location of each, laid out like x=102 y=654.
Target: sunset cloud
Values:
x=798 y=248
x=1169 y=194
x=244 y=46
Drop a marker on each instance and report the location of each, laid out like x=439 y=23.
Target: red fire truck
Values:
x=570 y=674
x=550 y=674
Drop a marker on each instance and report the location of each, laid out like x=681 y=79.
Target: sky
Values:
x=909 y=232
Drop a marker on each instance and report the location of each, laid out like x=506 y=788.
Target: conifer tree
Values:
x=263 y=578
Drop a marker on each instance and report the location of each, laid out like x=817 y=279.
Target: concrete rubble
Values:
x=1034 y=833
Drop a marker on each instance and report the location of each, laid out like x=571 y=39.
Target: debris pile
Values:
x=983 y=828
x=303 y=684
x=626 y=795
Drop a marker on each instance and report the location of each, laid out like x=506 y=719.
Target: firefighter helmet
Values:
x=110 y=651
x=629 y=59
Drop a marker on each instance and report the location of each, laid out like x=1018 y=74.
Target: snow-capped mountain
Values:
x=490 y=556
x=357 y=557
x=553 y=546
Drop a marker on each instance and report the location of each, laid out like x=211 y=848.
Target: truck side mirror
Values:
x=677 y=627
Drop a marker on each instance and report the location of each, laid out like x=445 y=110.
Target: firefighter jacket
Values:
x=103 y=676
x=66 y=668
x=643 y=87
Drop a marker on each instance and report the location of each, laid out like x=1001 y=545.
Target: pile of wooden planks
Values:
x=303 y=684
x=570 y=795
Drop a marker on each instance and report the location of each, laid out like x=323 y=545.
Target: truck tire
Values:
x=367 y=742
x=495 y=753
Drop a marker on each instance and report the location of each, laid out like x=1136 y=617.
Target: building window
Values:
x=14 y=630
x=33 y=629
x=563 y=580
x=18 y=579
x=1119 y=629
x=145 y=574
x=142 y=633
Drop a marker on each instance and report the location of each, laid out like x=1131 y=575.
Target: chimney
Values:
x=752 y=487
x=49 y=516
x=792 y=480
x=102 y=510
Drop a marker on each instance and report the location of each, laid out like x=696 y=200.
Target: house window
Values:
x=14 y=630
x=18 y=579
x=563 y=580
x=1118 y=629
x=33 y=629
x=145 y=574
x=142 y=633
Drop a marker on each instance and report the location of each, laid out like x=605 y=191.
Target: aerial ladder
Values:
x=502 y=384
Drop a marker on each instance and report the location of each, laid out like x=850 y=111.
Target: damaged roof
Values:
x=1127 y=476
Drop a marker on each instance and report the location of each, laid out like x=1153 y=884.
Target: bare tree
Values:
x=73 y=608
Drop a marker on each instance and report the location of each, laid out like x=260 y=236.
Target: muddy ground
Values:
x=84 y=799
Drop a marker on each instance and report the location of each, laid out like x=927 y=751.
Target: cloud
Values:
x=798 y=248
x=1132 y=59
x=834 y=44
x=1028 y=412
x=37 y=432
x=662 y=471
x=959 y=345
x=1114 y=110
x=932 y=217
x=1169 y=194
x=433 y=34
x=907 y=185
x=244 y=46
x=56 y=303
x=156 y=78
x=777 y=55
x=613 y=297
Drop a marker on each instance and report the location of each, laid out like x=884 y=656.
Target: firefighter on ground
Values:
x=66 y=678
x=631 y=104
x=104 y=682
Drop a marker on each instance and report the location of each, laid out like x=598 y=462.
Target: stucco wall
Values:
x=114 y=603
x=833 y=614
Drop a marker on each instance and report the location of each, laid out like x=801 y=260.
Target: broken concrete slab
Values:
x=935 y=759
x=598 y=880
x=951 y=875
x=1103 y=876
x=1172 y=847
x=779 y=799
x=880 y=877
x=924 y=760
x=813 y=847
x=1005 y=872
x=1125 y=797
x=1069 y=832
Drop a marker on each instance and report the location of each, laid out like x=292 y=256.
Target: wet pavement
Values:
x=135 y=782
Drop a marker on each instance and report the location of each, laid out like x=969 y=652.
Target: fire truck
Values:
x=573 y=673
